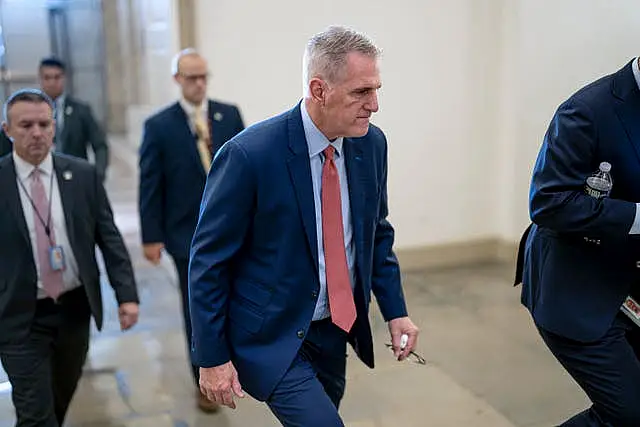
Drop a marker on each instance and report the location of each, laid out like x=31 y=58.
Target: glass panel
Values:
x=81 y=38
x=24 y=40
x=70 y=30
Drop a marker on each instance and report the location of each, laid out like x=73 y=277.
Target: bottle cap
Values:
x=605 y=166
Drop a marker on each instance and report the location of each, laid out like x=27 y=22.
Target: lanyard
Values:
x=47 y=225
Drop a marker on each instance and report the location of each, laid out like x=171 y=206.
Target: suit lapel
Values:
x=356 y=176
x=625 y=88
x=300 y=174
x=66 y=184
x=11 y=195
x=215 y=126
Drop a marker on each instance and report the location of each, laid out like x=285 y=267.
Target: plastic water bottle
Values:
x=599 y=184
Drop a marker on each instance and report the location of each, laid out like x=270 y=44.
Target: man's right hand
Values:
x=220 y=383
x=153 y=252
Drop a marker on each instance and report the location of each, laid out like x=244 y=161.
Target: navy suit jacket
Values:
x=253 y=280
x=171 y=174
x=6 y=146
x=579 y=260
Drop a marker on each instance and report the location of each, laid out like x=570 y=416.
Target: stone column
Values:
x=116 y=73
x=186 y=23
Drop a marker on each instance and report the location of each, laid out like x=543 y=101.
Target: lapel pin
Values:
x=69 y=110
x=67 y=175
x=217 y=116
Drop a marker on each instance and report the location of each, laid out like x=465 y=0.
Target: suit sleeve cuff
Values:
x=635 y=227
x=208 y=354
x=390 y=313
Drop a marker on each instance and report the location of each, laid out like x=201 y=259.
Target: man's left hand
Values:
x=399 y=327
x=128 y=314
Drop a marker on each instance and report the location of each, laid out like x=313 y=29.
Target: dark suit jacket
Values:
x=171 y=174
x=6 y=146
x=89 y=223
x=81 y=129
x=579 y=261
x=253 y=280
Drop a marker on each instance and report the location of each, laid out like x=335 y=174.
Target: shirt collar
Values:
x=190 y=109
x=316 y=141
x=24 y=168
x=59 y=102
x=636 y=71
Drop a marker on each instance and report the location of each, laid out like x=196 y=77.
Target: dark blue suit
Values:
x=580 y=262
x=172 y=180
x=254 y=263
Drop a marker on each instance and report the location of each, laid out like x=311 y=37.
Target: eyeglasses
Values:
x=412 y=355
x=195 y=77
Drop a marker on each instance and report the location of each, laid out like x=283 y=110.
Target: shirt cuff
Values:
x=635 y=228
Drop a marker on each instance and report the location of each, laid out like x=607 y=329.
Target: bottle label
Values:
x=594 y=193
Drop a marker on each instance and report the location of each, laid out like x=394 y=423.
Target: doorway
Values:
x=70 y=30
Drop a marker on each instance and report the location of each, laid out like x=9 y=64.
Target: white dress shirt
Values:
x=635 y=227
x=60 y=111
x=190 y=111
x=70 y=275
x=316 y=143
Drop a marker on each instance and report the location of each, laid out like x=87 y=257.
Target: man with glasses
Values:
x=178 y=145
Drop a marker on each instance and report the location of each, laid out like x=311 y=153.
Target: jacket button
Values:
x=314 y=294
x=300 y=334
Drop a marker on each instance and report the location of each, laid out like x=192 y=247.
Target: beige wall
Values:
x=547 y=57
x=469 y=88
x=432 y=110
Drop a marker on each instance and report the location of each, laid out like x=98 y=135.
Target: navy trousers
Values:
x=608 y=371
x=310 y=392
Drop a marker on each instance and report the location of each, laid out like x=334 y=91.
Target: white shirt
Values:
x=59 y=111
x=190 y=111
x=316 y=143
x=635 y=227
x=70 y=275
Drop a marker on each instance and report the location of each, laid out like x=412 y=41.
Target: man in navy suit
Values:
x=177 y=147
x=582 y=255
x=292 y=238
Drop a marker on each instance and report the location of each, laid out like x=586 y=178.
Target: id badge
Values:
x=632 y=309
x=56 y=258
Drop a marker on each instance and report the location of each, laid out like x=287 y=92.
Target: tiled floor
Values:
x=486 y=365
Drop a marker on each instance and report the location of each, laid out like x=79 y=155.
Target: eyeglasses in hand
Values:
x=412 y=355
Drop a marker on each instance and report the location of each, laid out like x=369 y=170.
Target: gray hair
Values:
x=34 y=96
x=326 y=53
x=175 y=62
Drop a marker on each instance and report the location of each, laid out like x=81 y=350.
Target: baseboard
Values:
x=457 y=254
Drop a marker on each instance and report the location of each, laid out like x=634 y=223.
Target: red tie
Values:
x=341 y=305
